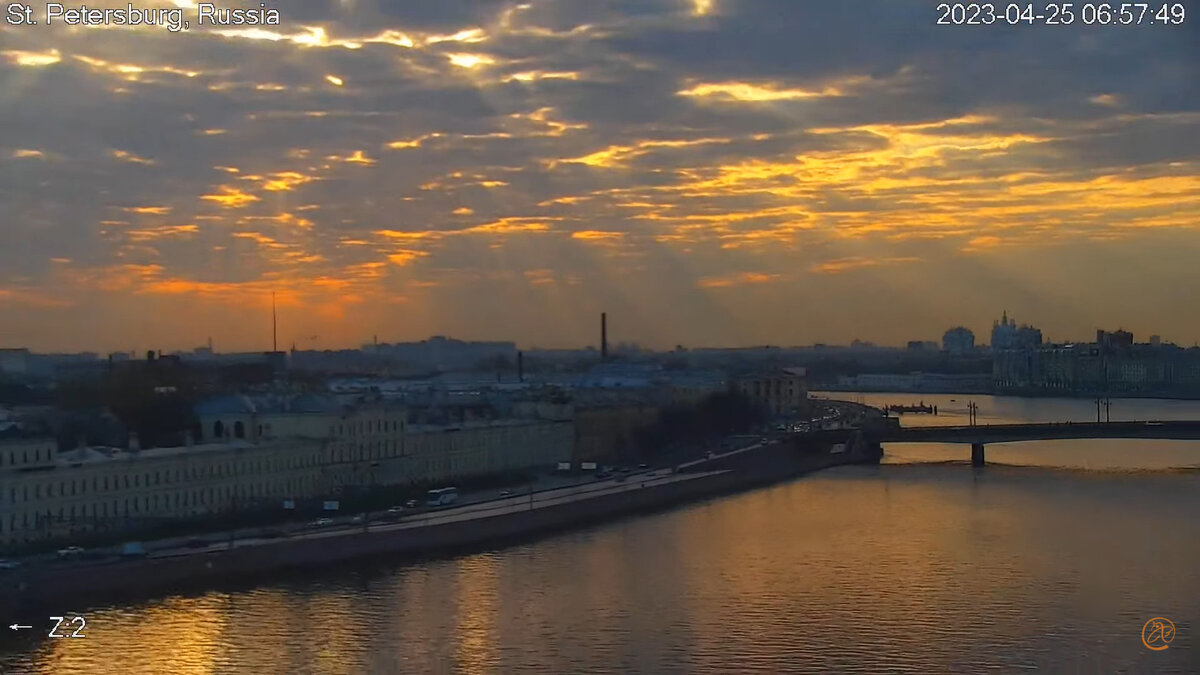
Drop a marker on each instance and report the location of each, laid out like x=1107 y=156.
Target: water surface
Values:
x=906 y=567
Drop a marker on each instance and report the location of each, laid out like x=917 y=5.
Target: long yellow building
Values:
x=245 y=457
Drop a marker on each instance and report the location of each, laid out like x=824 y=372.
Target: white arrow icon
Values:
x=17 y=626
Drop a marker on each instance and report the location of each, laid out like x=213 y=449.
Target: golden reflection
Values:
x=478 y=608
x=341 y=651
x=191 y=634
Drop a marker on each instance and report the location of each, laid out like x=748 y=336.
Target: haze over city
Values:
x=708 y=173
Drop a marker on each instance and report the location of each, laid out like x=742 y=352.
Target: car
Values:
x=9 y=564
x=412 y=503
x=133 y=549
x=360 y=518
x=643 y=466
x=396 y=509
x=323 y=522
x=70 y=552
x=506 y=493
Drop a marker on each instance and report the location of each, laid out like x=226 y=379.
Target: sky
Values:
x=707 y=172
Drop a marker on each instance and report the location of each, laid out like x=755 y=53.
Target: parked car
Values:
x=506 y=493
x=412 y=503
x=323 y=522
x=70 y=552
x=396 y=510
x=133 y=550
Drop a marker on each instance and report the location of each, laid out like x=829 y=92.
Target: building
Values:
x=1006 y=334
x=783 y=392
x=916 y=382
x=1119 y=341
x=958 y=340
x=1112 y=365
x=255 y=455
x=14 y=361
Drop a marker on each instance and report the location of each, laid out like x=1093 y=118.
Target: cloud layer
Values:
x=707 y=172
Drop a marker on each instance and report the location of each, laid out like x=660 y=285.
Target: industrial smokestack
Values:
x=603 y=336
x=520 y=366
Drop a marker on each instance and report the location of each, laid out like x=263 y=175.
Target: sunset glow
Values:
x=706 y=172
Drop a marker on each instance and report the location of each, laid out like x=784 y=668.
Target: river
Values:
x=1053 y=557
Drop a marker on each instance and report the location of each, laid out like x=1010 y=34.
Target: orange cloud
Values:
x=839 y=265
x=231 y=198
x=737 y=280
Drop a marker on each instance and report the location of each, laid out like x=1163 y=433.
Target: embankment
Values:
x=150 y=576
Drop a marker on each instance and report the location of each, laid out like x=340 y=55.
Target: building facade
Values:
x=958 y=340
x=280 y=455
x=783 y=392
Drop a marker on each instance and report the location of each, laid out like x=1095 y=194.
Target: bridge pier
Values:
x=977 y=457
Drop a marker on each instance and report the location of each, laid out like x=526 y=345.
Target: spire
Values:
x=274 y=326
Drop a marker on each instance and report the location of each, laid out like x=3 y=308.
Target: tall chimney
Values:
x=274 y=326
x=603 y=336
x=520 y=366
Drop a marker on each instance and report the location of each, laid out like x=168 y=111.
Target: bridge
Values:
x=981 y=434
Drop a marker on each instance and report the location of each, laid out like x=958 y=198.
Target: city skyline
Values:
x=708 y=173
x=980 y=339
